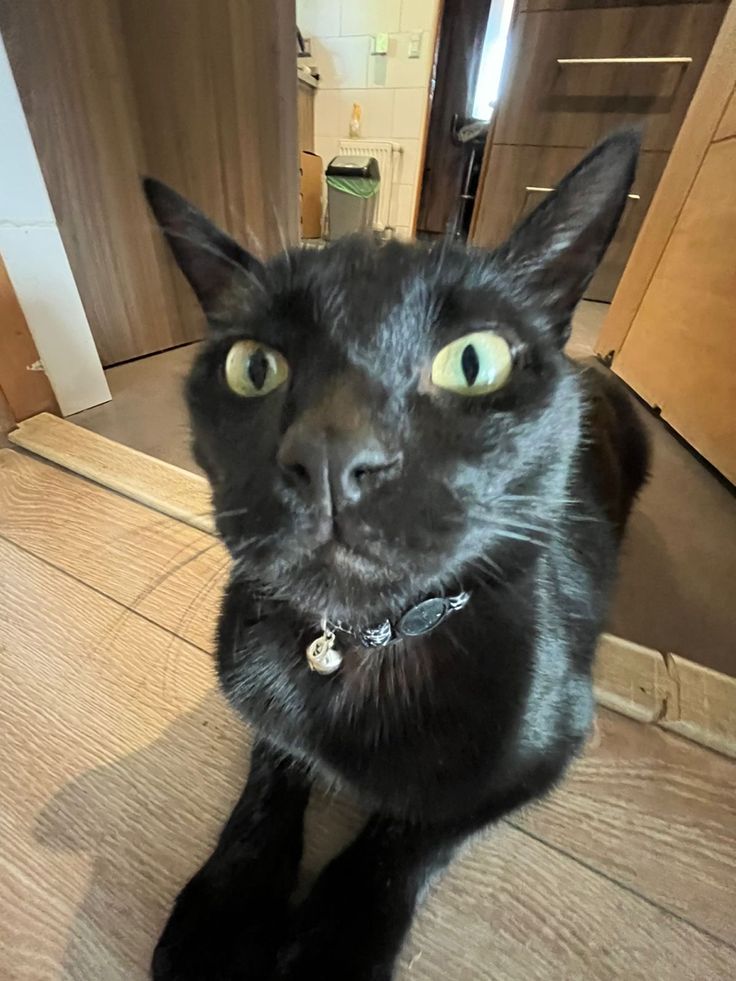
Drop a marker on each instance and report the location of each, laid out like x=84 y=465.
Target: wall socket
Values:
x=415 y=45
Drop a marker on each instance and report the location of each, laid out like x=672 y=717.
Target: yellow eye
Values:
x=476 y=364
x=252 y=369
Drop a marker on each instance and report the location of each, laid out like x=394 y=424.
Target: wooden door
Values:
x=459 y=51
x=575 y=71
x=671 y=333
x=199 y=94
x=564 y=93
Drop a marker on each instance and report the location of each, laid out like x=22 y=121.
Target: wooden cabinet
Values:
x=568 y=95
x=305 y=115
x=566 y=87
x=671 y=331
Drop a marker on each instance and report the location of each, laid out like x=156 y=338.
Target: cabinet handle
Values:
x=624 y=61
x=531 y=189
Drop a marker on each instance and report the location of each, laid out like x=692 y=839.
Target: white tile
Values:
x=410 y=106
x=39 y=271
x=378 y=112
x=419 y=15
x=326 y=147
x=370 y=16
x=328 y=121
x=332 y=114
x=318 y=18
x=409 y=173
x=402 y=206
x=342 y=61
x=400 y=70
x=377 y=71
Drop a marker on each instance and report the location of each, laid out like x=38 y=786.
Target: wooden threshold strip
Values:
x=659 y=688
x=143 y=478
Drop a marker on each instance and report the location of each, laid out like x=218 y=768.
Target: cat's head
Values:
x=383 y=421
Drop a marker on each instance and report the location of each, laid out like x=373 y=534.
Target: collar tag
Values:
x=422 y=617
x=322 y=655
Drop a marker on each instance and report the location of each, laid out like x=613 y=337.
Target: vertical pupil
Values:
x=258 y=369
x=470 y=364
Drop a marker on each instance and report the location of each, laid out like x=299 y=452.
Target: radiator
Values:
x=387 y=153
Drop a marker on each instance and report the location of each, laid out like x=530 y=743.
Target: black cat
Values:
x=423 y=499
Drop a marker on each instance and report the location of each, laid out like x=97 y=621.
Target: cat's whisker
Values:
x=487 y=567
x=255 y=243
x=280 y=231
x=231 y=513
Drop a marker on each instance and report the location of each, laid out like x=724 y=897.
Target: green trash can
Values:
x=352 y=193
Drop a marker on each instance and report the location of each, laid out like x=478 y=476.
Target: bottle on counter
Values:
x=355 y=121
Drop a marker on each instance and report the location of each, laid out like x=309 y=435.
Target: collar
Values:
x=417 y=620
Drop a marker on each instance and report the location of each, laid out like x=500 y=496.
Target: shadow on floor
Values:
x=146 y=822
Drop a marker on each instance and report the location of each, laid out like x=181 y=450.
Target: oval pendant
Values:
x=322 y=656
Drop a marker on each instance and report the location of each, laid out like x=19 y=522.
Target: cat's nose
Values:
x=335 y=471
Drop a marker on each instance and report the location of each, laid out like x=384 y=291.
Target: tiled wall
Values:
x=392 y=89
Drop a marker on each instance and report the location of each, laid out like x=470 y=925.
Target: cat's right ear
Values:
x=216 y=267
x=552 y=255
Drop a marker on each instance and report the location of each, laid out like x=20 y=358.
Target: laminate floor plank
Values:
x=656 y=813
x=162 y=568
x=120 y=762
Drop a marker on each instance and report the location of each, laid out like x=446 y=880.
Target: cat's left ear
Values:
x=218 y=269
x=552 y=255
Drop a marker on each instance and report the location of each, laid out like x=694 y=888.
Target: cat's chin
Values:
x=348 y=586
x=342 y=559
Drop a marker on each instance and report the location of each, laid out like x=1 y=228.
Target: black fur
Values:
x=519 y=497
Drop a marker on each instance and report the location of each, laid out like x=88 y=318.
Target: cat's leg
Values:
x=229 y=919
x=353 y=923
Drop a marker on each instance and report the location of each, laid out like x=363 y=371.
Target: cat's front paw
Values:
x=326 y=964
x=331 y=951
x=214 y=935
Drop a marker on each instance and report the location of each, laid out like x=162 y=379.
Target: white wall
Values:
x=392 y=89
x=37 y=265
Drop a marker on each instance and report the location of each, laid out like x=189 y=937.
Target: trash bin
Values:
x=352 y=192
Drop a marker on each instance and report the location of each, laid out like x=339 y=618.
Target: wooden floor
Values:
x=120 y=760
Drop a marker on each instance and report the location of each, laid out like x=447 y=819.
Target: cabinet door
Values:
x=680 y=351
x=516 y=180
x=305 y=116
x=578 y=102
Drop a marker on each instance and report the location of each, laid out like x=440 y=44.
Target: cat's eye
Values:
x=476 y=364
x=253 y=370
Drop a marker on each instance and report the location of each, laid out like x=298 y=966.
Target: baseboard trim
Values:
x=667 y=690
x=654 y=687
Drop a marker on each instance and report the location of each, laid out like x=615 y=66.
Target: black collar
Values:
x=417 y=620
